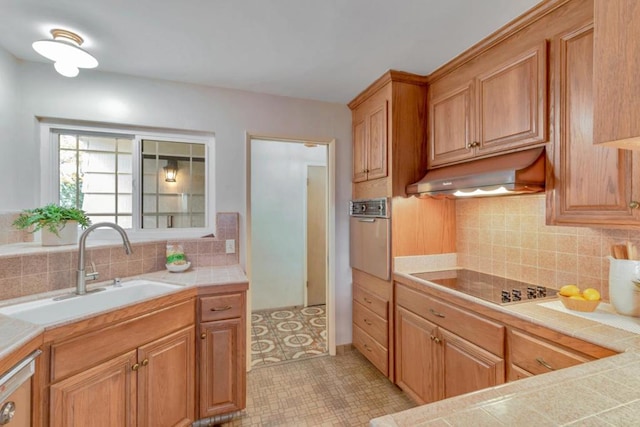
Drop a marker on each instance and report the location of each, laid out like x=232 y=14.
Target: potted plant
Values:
x=59 y=225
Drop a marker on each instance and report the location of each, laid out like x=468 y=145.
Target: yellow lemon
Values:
x=591 y=294
x=578 y=297
x=569 y=290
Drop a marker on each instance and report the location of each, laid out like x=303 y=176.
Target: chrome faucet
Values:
x=81 y=277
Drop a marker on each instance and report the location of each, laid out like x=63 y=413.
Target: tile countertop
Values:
x=604 y=392
x=15 y=333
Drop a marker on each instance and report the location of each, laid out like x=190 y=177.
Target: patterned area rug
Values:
x=288 y=334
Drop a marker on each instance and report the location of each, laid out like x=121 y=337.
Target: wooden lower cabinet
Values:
x=222 y=372
x=222 y=352
x=151 y=386
x=166 y=391
x=102 y=396
x=467 y=367
x=433 y=364
x=415 y=356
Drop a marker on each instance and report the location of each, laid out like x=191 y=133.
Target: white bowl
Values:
x=178 y=268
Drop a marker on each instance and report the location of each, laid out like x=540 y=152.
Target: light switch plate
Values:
x=231 y=246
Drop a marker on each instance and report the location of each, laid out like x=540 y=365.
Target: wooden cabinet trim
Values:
x=81 y=352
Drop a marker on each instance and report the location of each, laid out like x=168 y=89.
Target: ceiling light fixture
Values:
x=66 y=52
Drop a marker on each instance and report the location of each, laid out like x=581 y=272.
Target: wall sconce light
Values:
x=66 y=52
x=171 y=170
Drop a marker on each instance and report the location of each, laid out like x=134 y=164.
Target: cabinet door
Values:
x=467 y=367
x=592 y=184
x=359 y=151
x=616 y=82
x=416 y=356
x=103 y=396
x=222 y=375
x=512 y=103
x=166 y=380
x=451 y=127
x=377 y=141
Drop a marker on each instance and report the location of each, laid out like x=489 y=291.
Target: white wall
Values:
x=15 y=159
x=278 y=221
x=120 y=99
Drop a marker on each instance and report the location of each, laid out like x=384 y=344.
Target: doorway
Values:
x=290 y=244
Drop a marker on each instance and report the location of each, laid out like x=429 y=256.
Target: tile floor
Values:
x=343 y=390
x=287 y=334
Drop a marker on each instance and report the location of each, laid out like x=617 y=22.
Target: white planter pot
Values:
x=68 y=235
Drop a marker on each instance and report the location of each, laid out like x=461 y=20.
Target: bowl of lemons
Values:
x=574 y=299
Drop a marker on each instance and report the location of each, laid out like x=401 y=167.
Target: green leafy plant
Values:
x=52 y=217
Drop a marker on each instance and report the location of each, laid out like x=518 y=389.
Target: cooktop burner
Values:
x=490 y=288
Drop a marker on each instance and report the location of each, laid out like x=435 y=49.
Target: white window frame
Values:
x=50 y=174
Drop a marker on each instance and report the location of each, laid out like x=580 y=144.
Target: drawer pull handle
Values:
x=225 y=308
x=367 y=300
x=435 y=339
x=541 y=361
x=145 y=362
x=634 y=205
x=435 y=313
x=135 y=367
x=203 y=335
x=367 y=347
x=368 y=322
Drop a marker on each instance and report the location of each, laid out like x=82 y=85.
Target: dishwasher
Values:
x=369 y=237
x=15 y=393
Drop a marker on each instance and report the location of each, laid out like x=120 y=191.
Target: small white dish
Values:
x=178 y=268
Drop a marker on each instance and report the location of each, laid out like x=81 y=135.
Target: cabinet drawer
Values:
x=372 y=302
x=371 y=349
x=220 y=307
x=538 y=357
x=371 y=323
x=480 y=331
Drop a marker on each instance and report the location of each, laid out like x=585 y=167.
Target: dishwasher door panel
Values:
x=370 y=249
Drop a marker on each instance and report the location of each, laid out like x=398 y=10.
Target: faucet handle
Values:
x=94 y=274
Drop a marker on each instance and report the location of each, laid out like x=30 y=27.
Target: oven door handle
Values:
x=366 y=220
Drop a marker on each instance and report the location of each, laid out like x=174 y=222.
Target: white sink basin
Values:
x=49 y=311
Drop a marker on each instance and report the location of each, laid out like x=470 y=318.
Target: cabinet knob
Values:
x=203 y=335
x=367 y=300
x=145 y=362
x=135 y=367
x=435 y=339
x=7 y=412
x=469 y=145
x=634 y=204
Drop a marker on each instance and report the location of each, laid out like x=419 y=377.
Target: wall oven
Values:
x=370 y=237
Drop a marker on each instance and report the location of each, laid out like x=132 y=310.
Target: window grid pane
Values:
x=90 y=177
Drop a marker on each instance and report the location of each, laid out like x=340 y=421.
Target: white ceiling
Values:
x=327 y=50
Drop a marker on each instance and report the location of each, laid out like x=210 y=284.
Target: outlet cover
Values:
x=231 y=246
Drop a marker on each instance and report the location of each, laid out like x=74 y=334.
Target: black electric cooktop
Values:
x=490 y=288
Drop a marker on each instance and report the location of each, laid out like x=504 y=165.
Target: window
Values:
x=142 y=181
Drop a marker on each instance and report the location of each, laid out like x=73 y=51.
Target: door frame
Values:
x=331 y=227
x=305 y=213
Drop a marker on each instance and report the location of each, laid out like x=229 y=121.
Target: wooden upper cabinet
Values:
x=512 y=103
x=370 y=141
x=389 y=135
x=376 y=143
x=616 y=79
x=502 y=108
x=359 y=151
x=592 y=185
x=450 y=122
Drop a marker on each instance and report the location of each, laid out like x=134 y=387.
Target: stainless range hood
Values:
x=513 y=173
